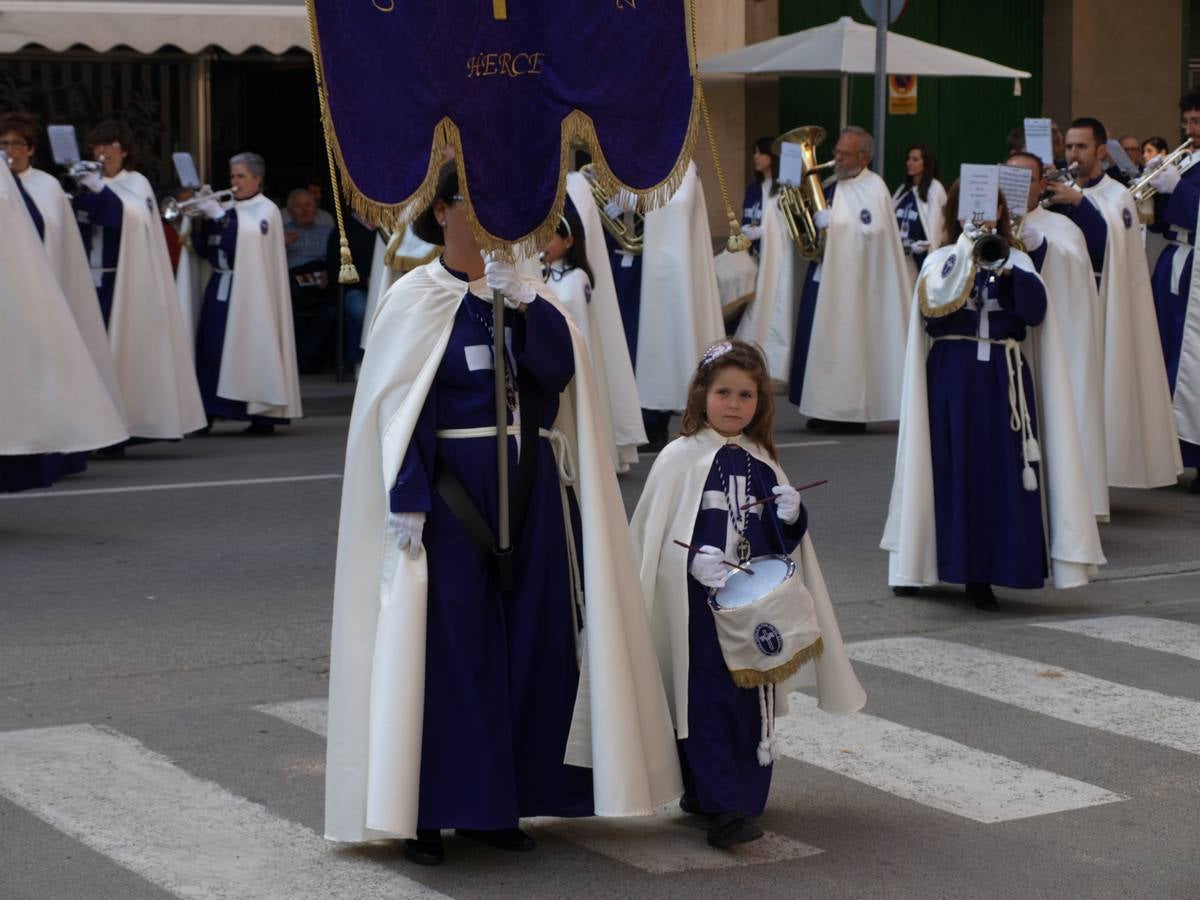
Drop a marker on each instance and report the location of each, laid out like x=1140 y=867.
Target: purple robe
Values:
x=100 y=216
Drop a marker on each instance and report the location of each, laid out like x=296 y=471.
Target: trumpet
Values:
x=1061 y=176
x=991 y=249
x=173 y=209
x=1182 y=157
x=625 y=230
x=82 y=167
x=801 y=203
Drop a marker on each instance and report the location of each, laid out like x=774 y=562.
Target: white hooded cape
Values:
x=861 y=322
x=606 y=338
x=910 y=535
x=1143 y=446
x=680 y=304
x=621 y=727
x=52 y=398
x=1187 y=380
x=1071 y=290
x=667 y=512
x=70 y=266
x=191 y=278
x=145 y=330
x=769 y=321
x=258 y=358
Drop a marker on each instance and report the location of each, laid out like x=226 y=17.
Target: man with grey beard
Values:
x=853 y=322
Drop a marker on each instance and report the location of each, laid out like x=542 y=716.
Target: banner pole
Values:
x=503 y=538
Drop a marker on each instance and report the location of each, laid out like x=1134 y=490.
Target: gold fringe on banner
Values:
x=748 y=678
x=577 y=130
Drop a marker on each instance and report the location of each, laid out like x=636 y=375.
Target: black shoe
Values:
x=846 y=427
x=1194 y=487
x=728 y=829
x=502 y=839
x=817 y=425
x=982 y=594
x=116 y=451
x=690 y=805
x=427 y=849
x=905 y=590
x=258 y=429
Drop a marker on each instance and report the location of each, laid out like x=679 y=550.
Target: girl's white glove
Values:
x=787 y=504
x=708 y=567
x=752 y=232
x=406 y=530
x=503 y=277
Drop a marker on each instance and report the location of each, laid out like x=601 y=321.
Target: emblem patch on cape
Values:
x=865 y=215
x=949 y=266
x=1127 y=216
x=767 y=639
x=263 y=226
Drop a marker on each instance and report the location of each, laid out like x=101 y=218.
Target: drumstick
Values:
x=803 y=487
x=723 y=562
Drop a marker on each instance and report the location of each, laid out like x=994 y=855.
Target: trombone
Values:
x=173 y=209
x=1182 y=157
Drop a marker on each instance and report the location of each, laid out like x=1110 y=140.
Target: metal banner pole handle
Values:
x=503 y=537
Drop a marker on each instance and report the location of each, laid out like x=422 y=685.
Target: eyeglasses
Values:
x=4 y=145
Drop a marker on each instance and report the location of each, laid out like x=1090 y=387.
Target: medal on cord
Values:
x=738 y=517
x=510 y=381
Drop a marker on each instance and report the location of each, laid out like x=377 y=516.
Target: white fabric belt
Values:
x=565 y=464
x=1017 y=406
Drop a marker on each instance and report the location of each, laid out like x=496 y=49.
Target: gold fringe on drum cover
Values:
x=748 y=678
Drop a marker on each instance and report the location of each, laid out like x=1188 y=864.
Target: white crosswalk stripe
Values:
x=1041 y=688
x=1144 y=632
x=668 y=841
x=187 y=835
x=927 y=768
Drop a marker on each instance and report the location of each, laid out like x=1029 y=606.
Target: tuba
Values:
x=801 y=203
x=626 y=230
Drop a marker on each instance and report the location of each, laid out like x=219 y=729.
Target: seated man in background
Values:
x=314 y=295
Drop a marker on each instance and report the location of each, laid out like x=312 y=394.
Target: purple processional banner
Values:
x=508 y=86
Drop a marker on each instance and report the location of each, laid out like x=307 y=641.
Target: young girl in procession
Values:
x=702 y=491
x=565 y=268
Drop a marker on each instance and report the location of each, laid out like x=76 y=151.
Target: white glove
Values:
x=406 y=529
x=613 y=210
x=212 y=210
x=752 y=232
x=919 y=247
x=787 y=506
x=92 y=181
x=1165 y=180
x=1031 y=237
x=822 y=218
x=708 y=567
x=503 y=277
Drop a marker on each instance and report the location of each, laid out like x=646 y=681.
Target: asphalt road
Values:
x=164 y=627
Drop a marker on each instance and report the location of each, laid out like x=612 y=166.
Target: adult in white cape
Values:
x=454 y=703
x=680 y=306
x=606 y=335
x=701 y=492
x=245 y=343
x=988 y=485
x=920 y=204
x=768 y=319
x=1142 y=441
x=122 y=233
x=852 y=325
x=1059 y=251
x=60 y=238
x=52 y=398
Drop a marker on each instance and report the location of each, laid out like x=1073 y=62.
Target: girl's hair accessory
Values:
x=562 y=220
x=715 y=352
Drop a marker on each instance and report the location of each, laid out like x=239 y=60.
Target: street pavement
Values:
x=164 y=629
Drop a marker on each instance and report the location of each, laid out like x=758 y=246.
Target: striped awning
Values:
x=150 y=25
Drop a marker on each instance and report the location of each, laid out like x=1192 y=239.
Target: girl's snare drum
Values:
x=766 y=622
